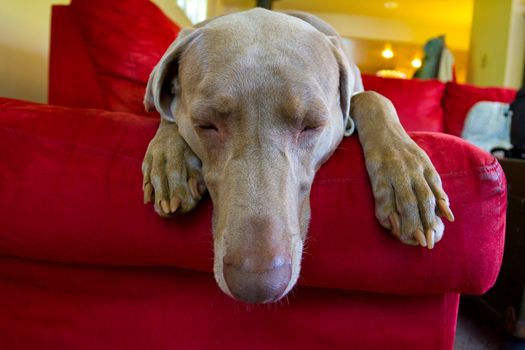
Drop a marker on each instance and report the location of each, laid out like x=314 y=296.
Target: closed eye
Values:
x=207 y=127
x=309 y=133
x=310 y=128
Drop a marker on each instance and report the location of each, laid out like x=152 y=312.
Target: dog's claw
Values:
x=165 y=206
x=445 y=210
x=431 y=238
x=148 y=191
x=174 y=204
x=395 y=223
x=192 y=182
x=420 y=238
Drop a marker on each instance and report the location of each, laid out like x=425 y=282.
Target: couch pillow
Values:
x=125 y=39
x=418 y=102
x=459 y=98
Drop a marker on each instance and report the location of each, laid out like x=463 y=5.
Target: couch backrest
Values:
x=103 y=51
x=459 y=99
x=418 y=102
x=429 y=105
x=72 y=76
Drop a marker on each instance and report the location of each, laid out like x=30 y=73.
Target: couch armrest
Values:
x=70 y=191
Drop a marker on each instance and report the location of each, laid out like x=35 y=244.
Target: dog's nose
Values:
x=256 y=280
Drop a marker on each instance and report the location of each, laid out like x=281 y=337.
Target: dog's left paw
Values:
x=409 y=197
x=172 y=176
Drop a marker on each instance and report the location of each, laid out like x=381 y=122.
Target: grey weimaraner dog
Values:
x=252 y=104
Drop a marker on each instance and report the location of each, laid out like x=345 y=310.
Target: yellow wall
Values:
x=516 y=46
x=489 y=42
x=497 y=55
x=376 y=28
x=24 y=48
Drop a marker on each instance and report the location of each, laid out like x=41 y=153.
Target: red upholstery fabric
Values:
x=76 y=174
x=73 y=78
x=418 y=102
x=66 y=306
x=459 y=99
x=135 y=35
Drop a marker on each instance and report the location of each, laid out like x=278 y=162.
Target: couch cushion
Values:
x=459 y=99
x=70 y=191
x=85 y=307
x=418 y=102
x=135 y=35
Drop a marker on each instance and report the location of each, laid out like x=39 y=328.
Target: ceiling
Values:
x=440 y=12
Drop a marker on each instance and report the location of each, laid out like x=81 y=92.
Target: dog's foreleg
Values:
x=407 y=189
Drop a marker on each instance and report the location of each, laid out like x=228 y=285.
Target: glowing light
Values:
x=390 y=73
x=387 y=52
x=416 y=63
x=391 y=5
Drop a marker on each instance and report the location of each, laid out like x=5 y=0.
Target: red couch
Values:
x=85 y=265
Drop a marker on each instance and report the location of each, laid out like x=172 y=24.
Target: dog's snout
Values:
x=255 y=279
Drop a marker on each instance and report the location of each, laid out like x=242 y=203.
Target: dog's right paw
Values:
x=172 y=176
x=408 y=191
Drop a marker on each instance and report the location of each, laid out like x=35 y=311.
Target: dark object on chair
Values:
x=517 y=126
x=267 y=4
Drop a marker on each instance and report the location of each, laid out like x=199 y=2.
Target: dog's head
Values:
x=262 y=98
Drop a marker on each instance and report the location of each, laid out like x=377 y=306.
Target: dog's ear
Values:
x=163 y=87
x=347 y=82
